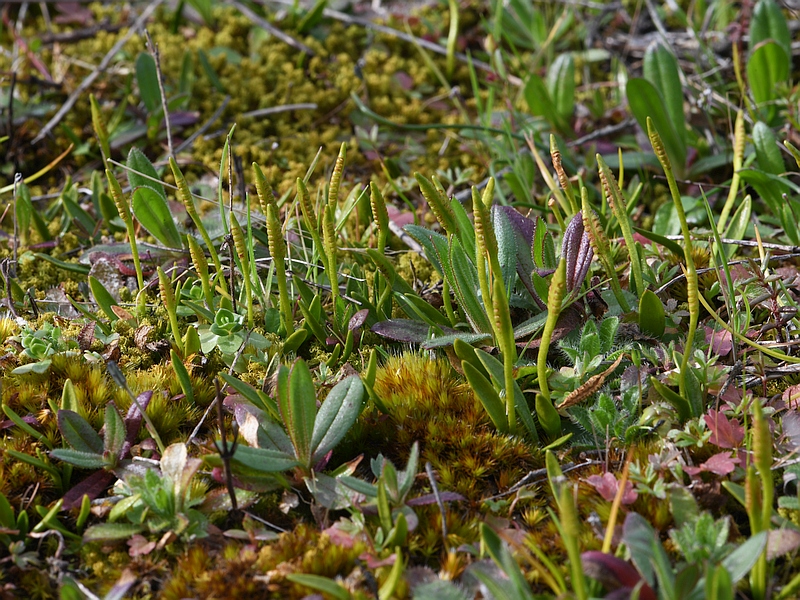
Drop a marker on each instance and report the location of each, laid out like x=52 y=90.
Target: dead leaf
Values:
x=139 y=546
x=592 y=385
x=140 y=336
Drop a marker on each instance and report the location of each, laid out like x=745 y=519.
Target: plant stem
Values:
x=691 y=273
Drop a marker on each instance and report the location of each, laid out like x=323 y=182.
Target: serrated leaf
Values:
x=152 y=211
x=77 y=431
x=336 y=415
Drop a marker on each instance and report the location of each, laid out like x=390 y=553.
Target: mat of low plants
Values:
x=437 y=300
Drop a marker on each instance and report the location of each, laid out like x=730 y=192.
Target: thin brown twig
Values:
x=284 y=37
x=225 y=452
x=153 y=49
x=89 y=79
x=435 y=490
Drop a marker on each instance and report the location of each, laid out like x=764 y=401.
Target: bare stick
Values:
x=435 y=490
x=153 y=49
x=84 y=85
x=225 y=452
x=285 y=38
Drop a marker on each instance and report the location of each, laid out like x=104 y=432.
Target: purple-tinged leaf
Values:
x=403 y=330
x=133 y=422
x=94 y=485
x=431 y=499
x=577 y=252
x=614 y=573
x=358 y=319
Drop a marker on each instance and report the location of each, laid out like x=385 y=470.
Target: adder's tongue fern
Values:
x=602 y=249
x=436 y=198
x=617 y=204
x=380 y=214
x=691 y=273
x=201 y=268
x=185 y=195
x=168 y=298
x=244 y=260
x=125 y=214
x=277 y=250
x=485 y=245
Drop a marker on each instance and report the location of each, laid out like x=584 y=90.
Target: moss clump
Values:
x=427 y=402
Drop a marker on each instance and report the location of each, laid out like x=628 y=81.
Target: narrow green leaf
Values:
x=147 y=80
x=84 y=460
x=561 y=86
x=487 y=395
x=769 y=23
x=103 y=298
x=108 y=532
x=320 y=584
x=652 y=317
x=767 y=68
x=210 y=72
x=738 y=225
x=115 y=431
x=767 y=150
x=20 y=422
x=465 y=285
x=503 y=558
x=142 y=173
x=646 y=101
x=67 y=266
x=298 y=407
x=336 y=415
x=77 y=431
x=153 y=213
x=263 y=460
x=183 y=375
x=675 y=399
x=662 y=70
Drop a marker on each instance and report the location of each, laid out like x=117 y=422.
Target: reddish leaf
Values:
x=725 y=433
x=607 y=486
x=791 y=397
x=139 y=546
x=94 y=485
x=721 y=342
x=720 y=464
